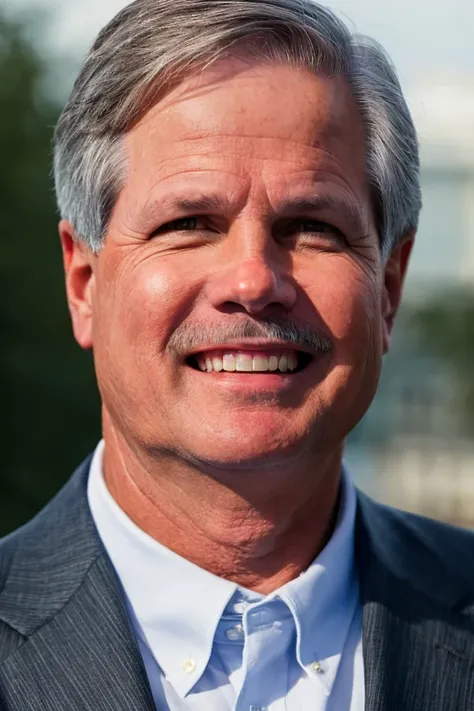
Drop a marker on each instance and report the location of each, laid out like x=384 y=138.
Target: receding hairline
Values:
x=186 y=200
x=152 y=44
x=246 y=51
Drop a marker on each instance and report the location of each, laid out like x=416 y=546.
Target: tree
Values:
x=50 y=414
x=444 y=326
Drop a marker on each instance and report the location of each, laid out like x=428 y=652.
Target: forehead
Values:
x=253 y=120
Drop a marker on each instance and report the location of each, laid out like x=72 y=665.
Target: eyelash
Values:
x=173 y=225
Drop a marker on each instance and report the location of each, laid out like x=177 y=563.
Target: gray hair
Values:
x=152 y=44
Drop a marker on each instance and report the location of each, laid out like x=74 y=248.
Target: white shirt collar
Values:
x=177 y=605
x=324 y=598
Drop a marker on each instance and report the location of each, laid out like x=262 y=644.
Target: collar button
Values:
x=235 y=633
x=189 y=666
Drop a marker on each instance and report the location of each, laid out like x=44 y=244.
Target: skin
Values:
x=238 y=473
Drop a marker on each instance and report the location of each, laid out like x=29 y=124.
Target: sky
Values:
x=429 y=41
x=425 y=38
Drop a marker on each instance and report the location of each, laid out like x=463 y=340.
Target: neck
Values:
x=259 y=529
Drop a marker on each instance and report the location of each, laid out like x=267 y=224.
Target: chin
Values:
x=245 y=450
x=238 y=460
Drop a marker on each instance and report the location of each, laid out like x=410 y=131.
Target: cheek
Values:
x=348 y=301
x=145 y=304
x=137 y=308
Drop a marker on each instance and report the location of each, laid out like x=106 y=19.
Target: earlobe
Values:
x=394 y=277
x=78 y=263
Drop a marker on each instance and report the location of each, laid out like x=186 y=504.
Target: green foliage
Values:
x=444 y=326
x=50 y=414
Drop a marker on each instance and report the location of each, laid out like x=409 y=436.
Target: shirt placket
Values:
x=265 y=661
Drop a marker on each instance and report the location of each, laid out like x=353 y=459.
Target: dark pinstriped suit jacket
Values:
x=66 y=642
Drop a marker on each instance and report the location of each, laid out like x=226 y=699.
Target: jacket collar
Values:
x=46 y=560
x=49 y=557
x=416 y=551
x=61 y=594
x=418 y=643
x=188 y=609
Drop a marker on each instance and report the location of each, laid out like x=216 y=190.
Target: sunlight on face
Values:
x=246 y=217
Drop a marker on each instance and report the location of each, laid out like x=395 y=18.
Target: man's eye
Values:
x=316 y=226
x=183 y=224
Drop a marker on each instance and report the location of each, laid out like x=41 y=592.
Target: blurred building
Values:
x=410 y=450
x=443 y=110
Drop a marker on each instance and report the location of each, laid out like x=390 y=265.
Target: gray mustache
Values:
x=190 y=338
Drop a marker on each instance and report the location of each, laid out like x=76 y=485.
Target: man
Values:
x=239 y=190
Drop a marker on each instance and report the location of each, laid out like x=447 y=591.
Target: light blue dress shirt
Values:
x=210 y=645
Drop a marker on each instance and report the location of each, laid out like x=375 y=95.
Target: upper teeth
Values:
x=247 y=363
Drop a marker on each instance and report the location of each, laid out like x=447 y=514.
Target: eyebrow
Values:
x=201 y=203
x=205 y=202
x=320 y=203
x=288 y=208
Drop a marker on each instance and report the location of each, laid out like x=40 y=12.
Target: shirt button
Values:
x=239 y=608
x=189 y=666
x=235 y=633
x=316 y=667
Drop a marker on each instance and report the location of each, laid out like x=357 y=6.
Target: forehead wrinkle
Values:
x=209 y=136
x=334 y=182
x=191 y=196
x=256 y=147
x=199 y=200
x=327 y=167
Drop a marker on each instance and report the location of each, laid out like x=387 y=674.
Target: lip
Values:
x=257 y=345
x=265 y=382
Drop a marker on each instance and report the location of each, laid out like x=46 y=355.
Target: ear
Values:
x=78 y=263
x=394 y=277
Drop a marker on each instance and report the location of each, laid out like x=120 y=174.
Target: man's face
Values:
x=246 y=205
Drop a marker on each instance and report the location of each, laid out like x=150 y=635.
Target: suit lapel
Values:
x=418 y=650
x=84 y=658
x=63 y=597
x=415 y=665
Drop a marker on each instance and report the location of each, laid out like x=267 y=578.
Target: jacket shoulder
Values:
x=44 y=562
x=10 y=638
x=435 y=557
x=428 y=530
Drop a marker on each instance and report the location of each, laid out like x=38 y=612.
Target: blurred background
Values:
x=415 y=447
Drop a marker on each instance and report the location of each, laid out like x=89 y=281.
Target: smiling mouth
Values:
x=250 y=362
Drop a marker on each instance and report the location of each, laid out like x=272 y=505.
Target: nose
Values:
x=254 y=283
